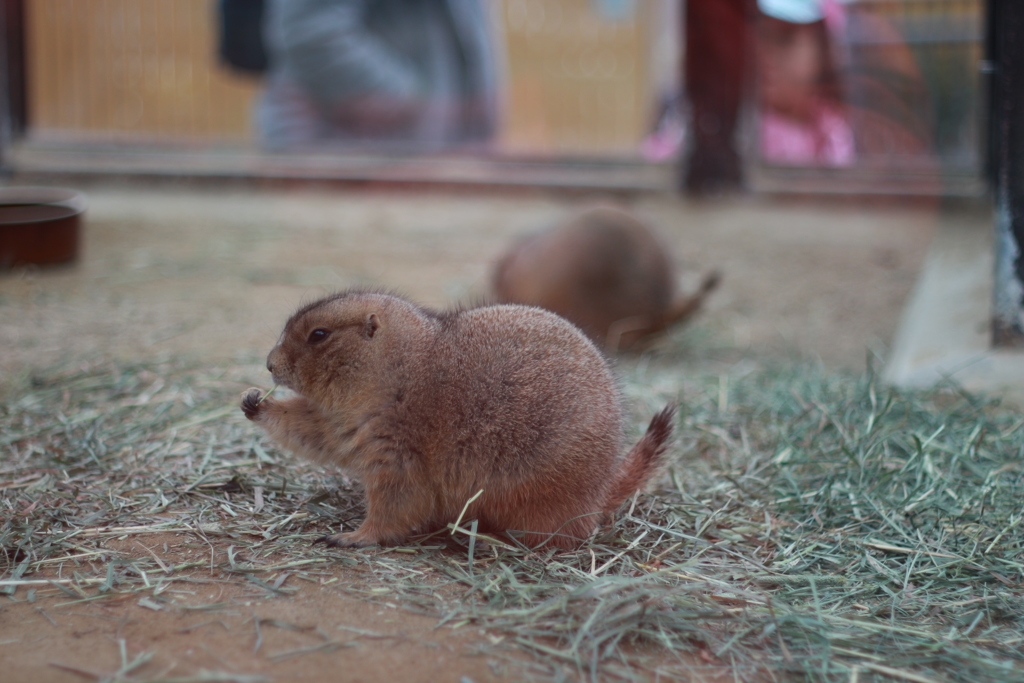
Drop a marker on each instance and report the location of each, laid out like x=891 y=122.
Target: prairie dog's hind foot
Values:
x=360 y=538
x=343 y=540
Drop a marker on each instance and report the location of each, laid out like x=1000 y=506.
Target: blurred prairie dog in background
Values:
x=604 y=270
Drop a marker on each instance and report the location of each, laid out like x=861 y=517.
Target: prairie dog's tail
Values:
x=642 y=459
x=685 y=306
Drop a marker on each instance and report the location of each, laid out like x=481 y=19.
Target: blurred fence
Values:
x=131 y=71
x=582 y=76
x=146 y=71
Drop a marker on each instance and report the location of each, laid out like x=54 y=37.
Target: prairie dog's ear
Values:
x=371 y=326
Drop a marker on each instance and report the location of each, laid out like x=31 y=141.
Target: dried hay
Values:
x=808 y=526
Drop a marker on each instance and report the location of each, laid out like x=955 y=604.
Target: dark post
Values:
x=5 y=98
x=717 y=41
x=1005 y=48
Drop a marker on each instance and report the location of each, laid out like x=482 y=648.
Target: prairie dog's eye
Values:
x=317 y=336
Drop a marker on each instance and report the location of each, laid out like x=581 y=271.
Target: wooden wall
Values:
x=131 y=71
x=578 y=81
x=145 y=71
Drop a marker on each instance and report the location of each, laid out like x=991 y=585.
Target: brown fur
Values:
x=604 y=270
x=427 y=409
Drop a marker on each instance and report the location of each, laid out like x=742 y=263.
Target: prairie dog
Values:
x=426 y=409
x=604 y=270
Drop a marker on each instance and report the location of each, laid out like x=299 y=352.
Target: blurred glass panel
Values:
x=944 y=38
x=578 y=78
x=885 y=85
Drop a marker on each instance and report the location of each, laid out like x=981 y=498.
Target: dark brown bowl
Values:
x=39 y=225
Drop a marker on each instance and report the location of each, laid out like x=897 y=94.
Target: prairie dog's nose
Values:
x=270 y=365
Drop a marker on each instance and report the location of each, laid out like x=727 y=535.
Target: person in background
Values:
x=413 y=75
x=836 y=85
x=802 y=118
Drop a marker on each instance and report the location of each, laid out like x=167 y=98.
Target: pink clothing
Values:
x=828 y=141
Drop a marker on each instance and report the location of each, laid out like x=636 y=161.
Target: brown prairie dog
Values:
x=426 y=409
x=605 y=271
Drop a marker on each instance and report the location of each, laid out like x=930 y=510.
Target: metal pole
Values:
x=5 y=95
x=1006 y=51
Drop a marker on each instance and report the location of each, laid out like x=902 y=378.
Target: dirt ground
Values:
x=229 y=630
x=213 y=273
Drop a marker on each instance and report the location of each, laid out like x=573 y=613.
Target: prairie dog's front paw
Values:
x=253 y=401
